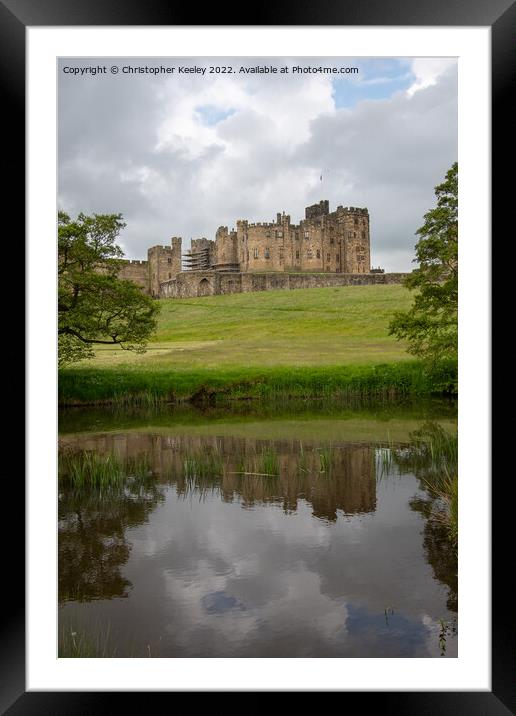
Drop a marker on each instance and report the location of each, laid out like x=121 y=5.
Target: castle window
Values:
x=169 y=261
x=279 y=234
x=170 y=275
x=297 y=254
x=307 y=235
x=328 y=257
x=256 y=253
x=350 y=234
x=363 y=234
x=331 y=240
x=356 y=220
x=297 y=235
x=309 y=254
x=267 y=254
x=318 y=254
x=268 y=234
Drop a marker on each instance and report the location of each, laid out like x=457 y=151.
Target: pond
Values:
x=252 y=532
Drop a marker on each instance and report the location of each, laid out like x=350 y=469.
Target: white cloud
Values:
x=427 y=71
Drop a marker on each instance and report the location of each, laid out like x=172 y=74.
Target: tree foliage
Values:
x=430 y=326
x=94 y=305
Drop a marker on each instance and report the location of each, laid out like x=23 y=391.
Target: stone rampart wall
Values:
x=190 y=284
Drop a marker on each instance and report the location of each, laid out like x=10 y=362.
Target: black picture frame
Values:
x=15 y=17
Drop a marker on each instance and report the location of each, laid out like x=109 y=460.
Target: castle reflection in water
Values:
x=336 y=478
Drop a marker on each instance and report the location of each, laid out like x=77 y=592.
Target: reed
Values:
x=203 y=465
x=325 y=455
x=75 y=644
x=433 y=457
x=269 y=462
x=86 y=468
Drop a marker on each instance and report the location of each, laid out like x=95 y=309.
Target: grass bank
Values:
x=307 y=343
x=146 y=387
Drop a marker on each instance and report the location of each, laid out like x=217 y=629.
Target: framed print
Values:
x=245 y=442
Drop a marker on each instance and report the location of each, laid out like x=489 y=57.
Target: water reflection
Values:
x=236 y=547
x=235 y=467
x=92 y=545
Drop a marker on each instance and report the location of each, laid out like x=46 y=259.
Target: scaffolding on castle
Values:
x=197 y=260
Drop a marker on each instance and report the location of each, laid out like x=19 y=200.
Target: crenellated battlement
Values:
x=263 y=224
x=352 y=210
x=161 y=248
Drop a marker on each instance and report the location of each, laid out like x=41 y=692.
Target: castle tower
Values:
x=242 y=249
x=226 y=250
x=164 y=264
x=354 y=225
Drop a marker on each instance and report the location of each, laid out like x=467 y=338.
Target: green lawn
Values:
x=320 y=342
x=319 y=326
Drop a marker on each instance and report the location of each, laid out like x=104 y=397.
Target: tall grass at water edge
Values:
x=85 y=468
x=147 y=387
x=432 y=456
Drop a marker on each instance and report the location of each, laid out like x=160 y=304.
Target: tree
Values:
x=430 y=326
x=94 y=305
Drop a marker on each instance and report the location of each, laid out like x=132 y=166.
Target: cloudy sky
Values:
x=179 y=154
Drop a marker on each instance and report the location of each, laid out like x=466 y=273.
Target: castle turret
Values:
x=164 y=264
x=226 y=250
x=354 y=223
x=316 y=210
x=242 y=245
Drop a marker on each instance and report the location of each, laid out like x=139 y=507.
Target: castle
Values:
x=324 y=249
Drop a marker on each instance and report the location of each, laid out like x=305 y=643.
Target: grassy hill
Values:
x=318 y=326
x=256 y=341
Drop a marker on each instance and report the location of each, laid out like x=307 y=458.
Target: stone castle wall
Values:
x=137 y=272
x=190 y=284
